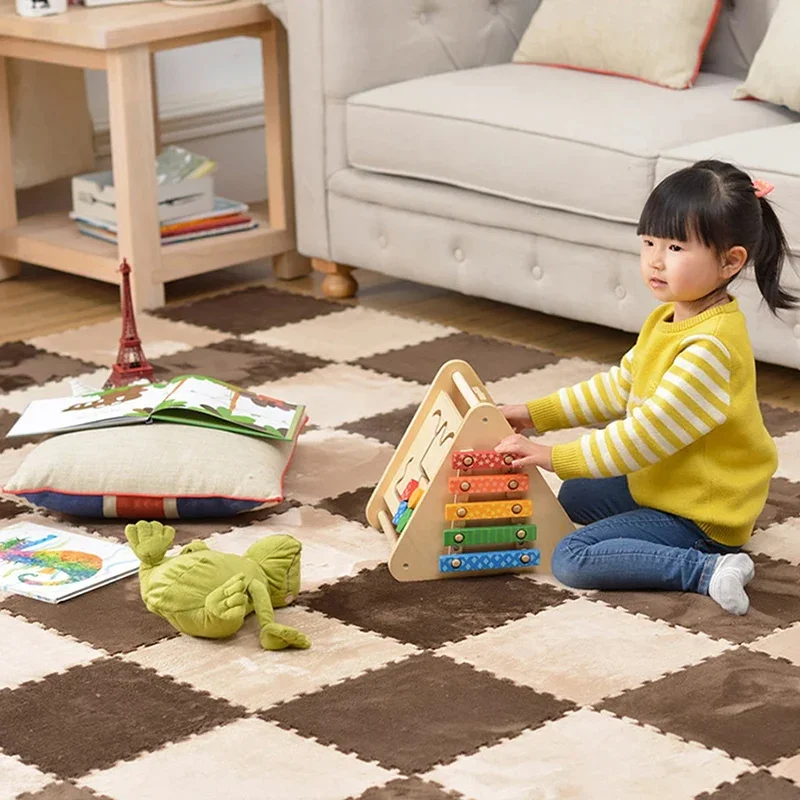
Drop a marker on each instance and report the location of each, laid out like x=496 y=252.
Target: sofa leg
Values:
x=339 y=282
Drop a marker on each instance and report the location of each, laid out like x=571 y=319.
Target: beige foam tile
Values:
x=37 y=652
x=328 y=463
x=778 y=541
x=240 y=671
x=341 y=393
x=584 y=650
x=333 y=547
x=781 y=644
x=589 y=755
x=355 y=333
x=18 y=400
x=16 y=777
x=787 y=768
x=541 y=382
x=99 y=343
x=789 y=456
x=249 y=758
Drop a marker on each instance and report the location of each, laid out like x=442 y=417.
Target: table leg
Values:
x=278 y=132
x=9 y=268
x=156 y=117
x=133 y=153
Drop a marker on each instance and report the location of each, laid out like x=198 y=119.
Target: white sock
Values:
x=731 y=574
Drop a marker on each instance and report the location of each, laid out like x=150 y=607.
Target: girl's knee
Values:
x=566 y=565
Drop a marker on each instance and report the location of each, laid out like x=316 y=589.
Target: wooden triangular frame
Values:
x=465 y=418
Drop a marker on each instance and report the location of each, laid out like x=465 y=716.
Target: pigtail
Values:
x=768 y=259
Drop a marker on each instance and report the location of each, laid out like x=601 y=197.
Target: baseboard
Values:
x=204 y=117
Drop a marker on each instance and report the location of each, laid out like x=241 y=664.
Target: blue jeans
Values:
x=627 y=546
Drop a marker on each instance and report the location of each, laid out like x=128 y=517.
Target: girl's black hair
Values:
x=715 y=203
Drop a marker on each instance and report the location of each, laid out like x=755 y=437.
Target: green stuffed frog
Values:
x=206 y=593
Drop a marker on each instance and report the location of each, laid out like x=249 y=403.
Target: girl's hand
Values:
x=518 y=416
x=526 y=452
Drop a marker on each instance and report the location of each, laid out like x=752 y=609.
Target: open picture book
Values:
x=54 y=565
x=187 y=399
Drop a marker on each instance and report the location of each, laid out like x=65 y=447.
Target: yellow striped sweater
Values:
x=688 y=432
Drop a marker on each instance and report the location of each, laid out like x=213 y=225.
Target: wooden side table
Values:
x=122 y=40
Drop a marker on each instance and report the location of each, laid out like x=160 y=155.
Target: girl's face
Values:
x=680 y=272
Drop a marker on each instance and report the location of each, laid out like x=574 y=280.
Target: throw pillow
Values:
x=158 y=471
x=774 y=75
x=650 y=40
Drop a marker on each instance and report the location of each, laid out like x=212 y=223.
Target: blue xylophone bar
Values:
x=489 y=559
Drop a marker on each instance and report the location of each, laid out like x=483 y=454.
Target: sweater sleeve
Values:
x=600 y=399
x=691 y=399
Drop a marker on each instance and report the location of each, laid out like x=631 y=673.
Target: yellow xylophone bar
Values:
x=495 y=509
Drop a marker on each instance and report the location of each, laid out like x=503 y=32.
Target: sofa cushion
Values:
x=617 y=38
x=771 y=154
x=775 y=73
x=559 y=138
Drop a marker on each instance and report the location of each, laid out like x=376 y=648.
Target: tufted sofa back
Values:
x=411 y=39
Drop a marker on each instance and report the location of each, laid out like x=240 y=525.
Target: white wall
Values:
x=210 y=101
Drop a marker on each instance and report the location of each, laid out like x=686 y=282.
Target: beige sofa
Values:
x=421 y=152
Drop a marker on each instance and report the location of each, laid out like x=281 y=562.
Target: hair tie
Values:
x=762 y=188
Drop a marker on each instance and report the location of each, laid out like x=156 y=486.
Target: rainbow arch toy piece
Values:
x=449 y=505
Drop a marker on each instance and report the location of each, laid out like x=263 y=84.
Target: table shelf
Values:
x=53 y=240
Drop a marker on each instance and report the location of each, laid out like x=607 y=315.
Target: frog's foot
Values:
x=278 y=637
x=226 y=606
x=150 y=540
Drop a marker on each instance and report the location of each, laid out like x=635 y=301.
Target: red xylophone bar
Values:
x=481 y=459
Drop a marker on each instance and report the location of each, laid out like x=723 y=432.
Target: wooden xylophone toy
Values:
x=486 y=489
x=449 y=505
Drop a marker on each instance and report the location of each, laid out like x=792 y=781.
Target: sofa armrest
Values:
x=338 y=48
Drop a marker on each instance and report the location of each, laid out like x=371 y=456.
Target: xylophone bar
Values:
x=480 y=459
x=501 y=534
x=494 y=509
x=487 y=484
x=489 y=559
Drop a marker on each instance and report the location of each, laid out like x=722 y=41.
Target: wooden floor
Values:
x=42 y=301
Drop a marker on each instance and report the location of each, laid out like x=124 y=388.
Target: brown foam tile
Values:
x=742 y=702
x=782 y=503
x=92 y=716
x=238 y=362
x=408 y=789
x=774 y=603
x=23 y=365
x=780 y=421
x=112 y=617
x=754 y=785
x=388 y=427
x=492 y=359
x=63 y=791
x=417 y=713
x=430 y=613
x=351 y=505
x=250 y=310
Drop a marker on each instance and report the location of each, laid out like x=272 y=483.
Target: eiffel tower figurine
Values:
x=131 y=364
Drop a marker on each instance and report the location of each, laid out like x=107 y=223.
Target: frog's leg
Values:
x=273 y=635
x=225 y=609
x=193 y=547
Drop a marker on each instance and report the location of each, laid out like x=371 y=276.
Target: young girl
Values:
x=670 y=491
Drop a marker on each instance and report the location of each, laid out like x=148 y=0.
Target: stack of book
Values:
x=187 y=205
x=226 y=217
